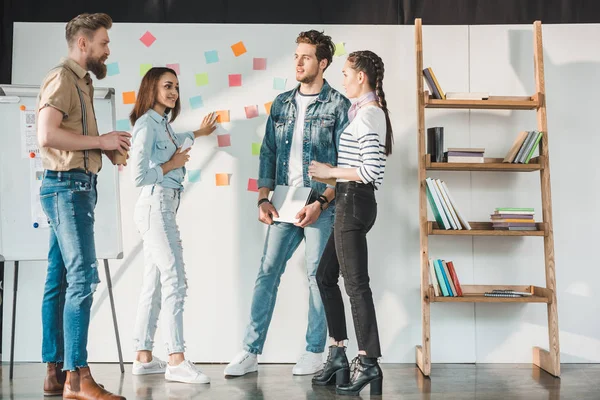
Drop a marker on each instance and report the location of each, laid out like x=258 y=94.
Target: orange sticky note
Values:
x=223 y=116
x=23 y=108
x=222 y=179
x=268 y=107
x=238 y=49
x=128 y=97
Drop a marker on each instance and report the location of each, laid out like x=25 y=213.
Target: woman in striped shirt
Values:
x=363 y=148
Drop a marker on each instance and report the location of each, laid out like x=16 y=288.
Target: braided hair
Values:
x=372 y=65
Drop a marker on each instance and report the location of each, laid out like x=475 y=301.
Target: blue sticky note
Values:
x=211 y=56
x=196 y=102
x=112 y=69
x=279 y=83
x=123 y=125
x=193 y=175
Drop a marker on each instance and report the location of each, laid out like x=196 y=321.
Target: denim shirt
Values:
x=151 y=147
x=324 y=123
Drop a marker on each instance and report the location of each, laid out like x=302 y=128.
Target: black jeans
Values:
x=346 y=253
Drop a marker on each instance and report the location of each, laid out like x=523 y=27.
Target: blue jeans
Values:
x=68 y=200
x=280 y=244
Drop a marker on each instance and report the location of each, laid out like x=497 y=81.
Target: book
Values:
x=445 y=205
x=436 y=206
x=433 y=279
x=454 y=277
x=435 y=93
x=467 y=95
x=466 y=160
x=449 y=277
x=528 y=146
x=535 y=145
x=489 y=294
x=462 y=220
x=521 y=153
x=516 y=146
x=512 y=291
x=463 y=154
x=467 y=149
x=440 y=278
x=437 y=84
x=449 y=204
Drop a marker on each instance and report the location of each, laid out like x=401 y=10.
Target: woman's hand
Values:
x=320 y=170
x=209 y=124
x=177 y=160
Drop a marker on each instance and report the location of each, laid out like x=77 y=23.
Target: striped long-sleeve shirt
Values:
x=362 y=145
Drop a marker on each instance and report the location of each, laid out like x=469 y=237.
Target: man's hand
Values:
x=115 y=140
x=112 y=156
x=266 y=212
x=308 y=215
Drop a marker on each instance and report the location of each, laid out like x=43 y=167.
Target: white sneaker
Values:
x=308 y=364
x=242 y=364
x=185 y=372
x=156 y=366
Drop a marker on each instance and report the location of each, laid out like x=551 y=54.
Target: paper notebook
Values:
x=288 y=201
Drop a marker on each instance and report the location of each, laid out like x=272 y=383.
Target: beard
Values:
x=98 y=67
x=308 y=78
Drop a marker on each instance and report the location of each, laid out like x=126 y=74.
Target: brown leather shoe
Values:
x=55 y=379
x=81 y=386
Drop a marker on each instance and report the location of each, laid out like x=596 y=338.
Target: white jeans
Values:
x=164 y=272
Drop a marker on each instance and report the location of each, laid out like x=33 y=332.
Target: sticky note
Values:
x=224 y=140
x=340 y=49
x=251 y=111
x=174 y=67
x=193 y=175
x=196 y=102
x=238 y=49
x=222 y=179
x=123 y=125
x=144 y=68
x=112 y=69
x=223 y=116
x=259 y=64
x=268 y=107
x=256 y=149
x=211 y=56
x=252 y=185
x=279 y=83
x=128 y=97
x=201 y=79
x=147 y=38
x=235 y=80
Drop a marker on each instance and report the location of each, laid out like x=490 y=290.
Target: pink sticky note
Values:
x=174 y=67
x=148 y=38
x=251 y=111
x=260 y=64
x=224 y=140
x=235 y=80
x=252 y=185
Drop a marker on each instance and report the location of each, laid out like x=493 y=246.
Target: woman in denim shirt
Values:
x=159 y=168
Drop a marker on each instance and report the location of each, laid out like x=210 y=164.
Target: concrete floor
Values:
x=275 y=381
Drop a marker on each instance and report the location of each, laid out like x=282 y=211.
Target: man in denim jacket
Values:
x=305 y=124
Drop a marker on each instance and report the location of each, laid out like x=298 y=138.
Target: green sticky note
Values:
x=201 y=79
x=255 y=149
x=340 y=50
x=193 y=175
x=144 y=68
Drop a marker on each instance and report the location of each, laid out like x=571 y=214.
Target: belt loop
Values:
x=59 y=175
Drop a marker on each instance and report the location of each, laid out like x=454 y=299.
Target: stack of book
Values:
x=438 y=93
x=523 y=147
x=506 y=293
x=464 y=155
x=443 y=206
x=443 y=278
x=513 y=219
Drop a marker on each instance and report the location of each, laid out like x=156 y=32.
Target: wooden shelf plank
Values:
x=489 y=164
x=483 y=229
x=504 y=103
x=475 y=294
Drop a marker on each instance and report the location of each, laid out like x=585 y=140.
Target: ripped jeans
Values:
x=164 y=283
x=68 y=200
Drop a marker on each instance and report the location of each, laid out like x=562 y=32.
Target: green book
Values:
x=537 y=141
x=514 y=209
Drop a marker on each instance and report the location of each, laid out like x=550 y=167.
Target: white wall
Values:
x=223 y=240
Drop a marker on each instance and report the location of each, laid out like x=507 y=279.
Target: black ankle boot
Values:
x=365 y=371
x=336 y=366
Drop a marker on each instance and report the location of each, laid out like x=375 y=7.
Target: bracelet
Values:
x=321 y=201
x=324 y=198
x=263 y=200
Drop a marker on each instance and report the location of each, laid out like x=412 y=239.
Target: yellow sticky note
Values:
x=256 y=149
x=128 y=97
x=223 y=116
x=268 y=107
x=340 y=49
x=222 y=179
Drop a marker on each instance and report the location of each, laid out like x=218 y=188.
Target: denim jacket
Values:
x=152 y=145
x=324 y=123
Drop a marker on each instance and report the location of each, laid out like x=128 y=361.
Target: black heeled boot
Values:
x=336 y=366
x=365 y=371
